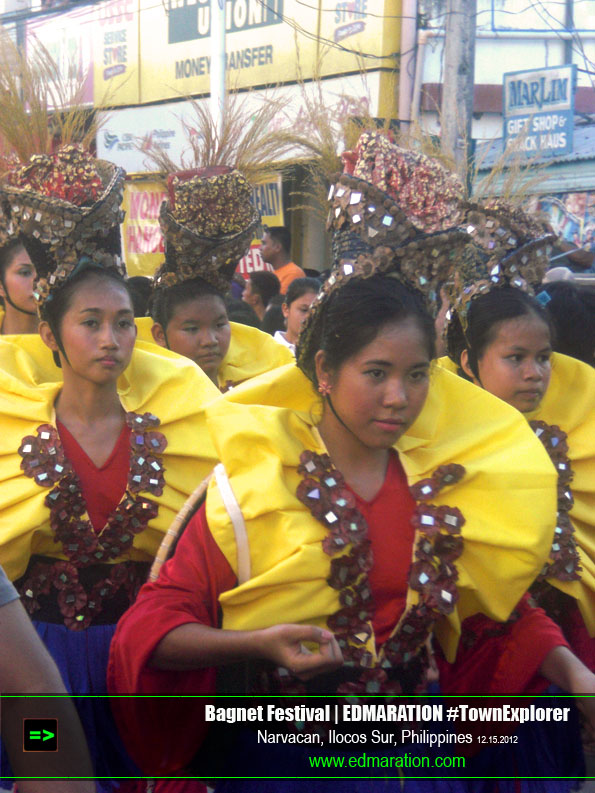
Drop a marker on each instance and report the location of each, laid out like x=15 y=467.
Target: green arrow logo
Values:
x=35 y=735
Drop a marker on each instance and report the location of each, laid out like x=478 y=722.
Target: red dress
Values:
x=103 y=486
x=187 y=591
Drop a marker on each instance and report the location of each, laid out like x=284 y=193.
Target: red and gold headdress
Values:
x=393 y=211
x=60 y=201
x=208 y=222
x=65 y=207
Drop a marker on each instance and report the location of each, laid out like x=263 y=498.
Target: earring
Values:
x=324 y=389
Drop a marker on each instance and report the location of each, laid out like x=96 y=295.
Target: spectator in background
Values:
x=571 y=308
x=140 y=288
x=276 y=246
x=273 y=318
x=241 y=312
x=18 y=309
x=237 y=286
x=296 y=306
x=261 y=287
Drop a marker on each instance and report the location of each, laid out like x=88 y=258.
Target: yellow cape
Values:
x=167 y=385
x=569 y=403
x=251 y=352
x=507 y=497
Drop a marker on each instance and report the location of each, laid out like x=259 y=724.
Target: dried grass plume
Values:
x=39 y=109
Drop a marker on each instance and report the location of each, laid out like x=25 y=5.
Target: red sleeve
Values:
x=167 y=732
x=502 y=658
x=581 y=644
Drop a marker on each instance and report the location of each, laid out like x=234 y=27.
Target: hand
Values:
x=283 y=645
x=583 y=682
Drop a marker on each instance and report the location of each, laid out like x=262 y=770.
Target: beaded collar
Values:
x=433 y=574
x=564 y=561
x=43 y=460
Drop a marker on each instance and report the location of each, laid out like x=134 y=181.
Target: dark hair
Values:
x=485 y=313
x=280 y=234
x=239 y=311
x=273 y=319
x=140 y=287
x=265 y=284
x=571 y=308
x=300 y=287
x=7 y=252
x=56 y=306
x=165 y=301
x=355 y=314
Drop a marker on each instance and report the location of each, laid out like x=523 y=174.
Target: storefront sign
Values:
x=260 y=44
x=268 y=199
x=143 y=242
x=539 y=110
x=116 y=51
x=68 y=39
x=126 y=135
x=141 y=51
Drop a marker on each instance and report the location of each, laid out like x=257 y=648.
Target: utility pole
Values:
x=569 y=25
x=218 y=63
x=459 y=70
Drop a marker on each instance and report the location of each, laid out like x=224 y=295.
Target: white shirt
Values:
x=282 y=339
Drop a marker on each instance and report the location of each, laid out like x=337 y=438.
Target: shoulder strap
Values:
x=175 y=531
x=237 y=520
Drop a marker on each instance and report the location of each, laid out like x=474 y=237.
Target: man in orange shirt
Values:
x=276 y=244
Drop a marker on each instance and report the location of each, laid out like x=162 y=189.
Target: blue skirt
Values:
x=81 y=657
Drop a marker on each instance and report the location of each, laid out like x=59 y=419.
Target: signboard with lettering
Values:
x=268 y=199
x=116 y=52
x=143 y=242
x=260 y=44
x=68 y=39
x=141 y=51
x=267 y=43
x=369 y=26
x=539 y=110
x=125 y=135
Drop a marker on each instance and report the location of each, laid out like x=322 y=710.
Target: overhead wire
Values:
x=91 y=8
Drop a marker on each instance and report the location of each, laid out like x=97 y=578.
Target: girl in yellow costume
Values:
x=18 y=313
x=98 y=455
x=371 y=515
x=500 y=337
x=208 y=223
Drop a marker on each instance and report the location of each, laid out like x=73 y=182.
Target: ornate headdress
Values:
x=65 y=207
x=62 y=203
x=208 y=222
x=507 y=247
x=393 y=211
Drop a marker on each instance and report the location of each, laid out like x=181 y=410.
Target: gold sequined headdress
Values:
x=65 y=208
x=62 y=203
x=208 y=222
x=393 y=211
x=507 y=247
